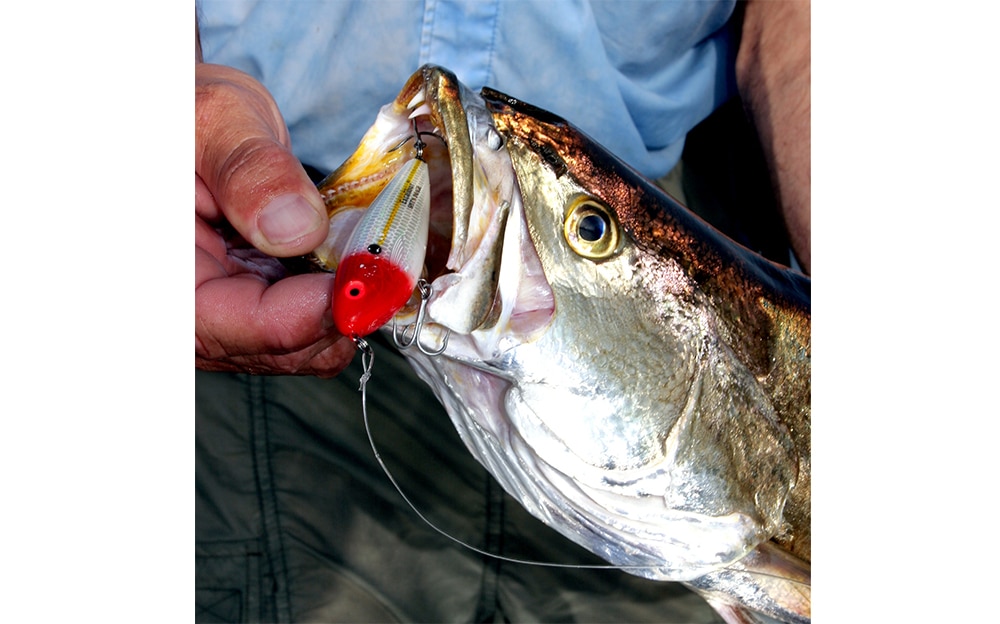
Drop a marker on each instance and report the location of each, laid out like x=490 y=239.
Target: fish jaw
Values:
x=384 y=149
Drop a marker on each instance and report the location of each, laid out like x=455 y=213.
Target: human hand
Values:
x=254 y=203
x=773 y=75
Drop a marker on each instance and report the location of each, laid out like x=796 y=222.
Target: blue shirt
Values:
x=635 y=75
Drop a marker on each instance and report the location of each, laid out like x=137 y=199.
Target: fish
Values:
x=632 y=377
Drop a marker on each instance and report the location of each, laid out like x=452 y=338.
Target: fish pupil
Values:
x=592 y=228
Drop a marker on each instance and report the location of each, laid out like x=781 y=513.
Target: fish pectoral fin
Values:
x=732 y=447
x=768 y=582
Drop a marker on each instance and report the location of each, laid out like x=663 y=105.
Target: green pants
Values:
x=295 y=521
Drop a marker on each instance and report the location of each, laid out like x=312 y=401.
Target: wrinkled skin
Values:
x=249 y=188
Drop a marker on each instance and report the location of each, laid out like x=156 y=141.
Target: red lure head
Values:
x=368 y=291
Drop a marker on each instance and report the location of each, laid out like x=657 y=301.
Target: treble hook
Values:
x=399 y=337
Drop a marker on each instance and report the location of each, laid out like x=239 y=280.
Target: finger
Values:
x=324 y=359
x=245 y=317
x=204 y=202
x=243 y=158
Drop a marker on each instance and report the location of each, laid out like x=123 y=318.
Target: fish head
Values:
x=584 y=363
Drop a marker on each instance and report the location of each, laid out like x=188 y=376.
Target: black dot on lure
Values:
x=374 y=249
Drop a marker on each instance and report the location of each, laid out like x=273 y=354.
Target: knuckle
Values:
x=249 y=164
x=237 y=128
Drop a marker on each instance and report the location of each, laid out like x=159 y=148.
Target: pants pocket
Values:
x=229 y=581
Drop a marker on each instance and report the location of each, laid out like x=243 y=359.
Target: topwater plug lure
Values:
x=385 y=253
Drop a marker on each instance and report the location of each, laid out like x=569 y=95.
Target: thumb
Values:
x=243 y=156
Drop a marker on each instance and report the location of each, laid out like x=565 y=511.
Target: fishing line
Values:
x=367 y=362
x=368 y=352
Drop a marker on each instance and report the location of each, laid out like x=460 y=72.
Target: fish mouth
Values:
x=484 y=272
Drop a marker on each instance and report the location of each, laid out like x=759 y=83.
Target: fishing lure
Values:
x=384 y=255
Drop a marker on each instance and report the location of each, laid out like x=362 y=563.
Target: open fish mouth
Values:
x=476 y=218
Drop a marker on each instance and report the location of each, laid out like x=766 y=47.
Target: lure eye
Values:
x=591 y=230
x=354 y=289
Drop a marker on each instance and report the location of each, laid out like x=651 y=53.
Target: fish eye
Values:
x=591 y=230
